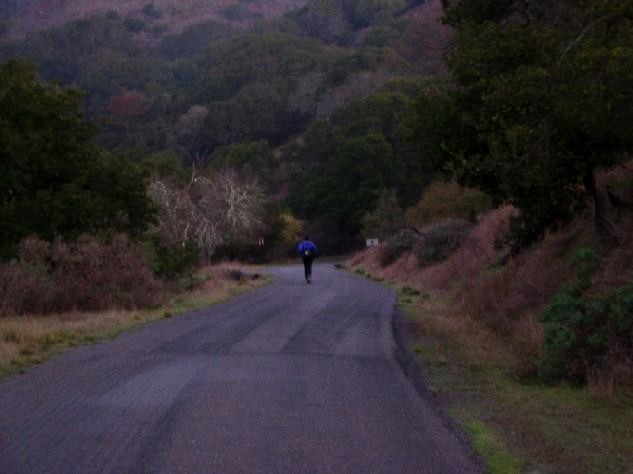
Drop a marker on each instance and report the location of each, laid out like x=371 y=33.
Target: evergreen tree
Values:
x=54 y=181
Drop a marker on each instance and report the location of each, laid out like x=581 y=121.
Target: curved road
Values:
x=291 y=378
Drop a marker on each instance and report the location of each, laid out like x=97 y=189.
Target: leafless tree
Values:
x=209 y=211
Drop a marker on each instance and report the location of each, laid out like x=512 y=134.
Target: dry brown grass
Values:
x=26 y=340
x=476 y=253
x=438 y=319
x=507 y=300
x=443 y=315
x=487 y=309
x=368 y=260
x=404 y=269
x=502 y=296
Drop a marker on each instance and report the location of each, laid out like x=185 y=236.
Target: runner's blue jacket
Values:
x=307 y=246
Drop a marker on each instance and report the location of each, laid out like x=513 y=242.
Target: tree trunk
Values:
x=604 y=212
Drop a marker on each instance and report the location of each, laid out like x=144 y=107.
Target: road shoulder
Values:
x=515 y=425
x=413 y=369
x=26 y=341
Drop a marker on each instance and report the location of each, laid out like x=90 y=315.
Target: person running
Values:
x=308 y=251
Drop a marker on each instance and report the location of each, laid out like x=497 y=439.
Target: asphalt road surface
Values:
x=291 y=378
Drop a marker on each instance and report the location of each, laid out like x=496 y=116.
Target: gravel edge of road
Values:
x=414 y=372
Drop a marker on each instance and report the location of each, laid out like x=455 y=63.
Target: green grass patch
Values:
x=527 y=427
x=494 y=453
x=595 y=431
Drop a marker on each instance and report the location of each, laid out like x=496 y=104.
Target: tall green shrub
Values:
x=585 y=334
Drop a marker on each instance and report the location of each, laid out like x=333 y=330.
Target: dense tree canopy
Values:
x=342 y=168
x=541 y=99
x=263 y=85
x=54 y=181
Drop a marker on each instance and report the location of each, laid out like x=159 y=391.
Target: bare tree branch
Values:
x=209 y=211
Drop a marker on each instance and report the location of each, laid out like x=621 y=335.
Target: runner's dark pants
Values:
x=307 y=265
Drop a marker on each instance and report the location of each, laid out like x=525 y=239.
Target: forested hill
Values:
x=27 y=16
x=244 y=85
x=233 y=76
x=22 y=17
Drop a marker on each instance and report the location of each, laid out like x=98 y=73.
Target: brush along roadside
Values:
x=29 y=340
x=516 y=425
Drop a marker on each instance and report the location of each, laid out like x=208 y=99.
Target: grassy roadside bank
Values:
x=517 y=426
x=29 y=340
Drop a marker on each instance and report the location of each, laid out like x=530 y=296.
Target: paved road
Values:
x=290 y=378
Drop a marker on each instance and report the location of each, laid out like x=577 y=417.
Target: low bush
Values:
x=508 y=299
x=171 y=261
x=25 y=290
x=588 y=338
x=441 y=241
x=86 y=275
x=448 y=200
x=501 y=295
x=396 y=246
x=476 y=253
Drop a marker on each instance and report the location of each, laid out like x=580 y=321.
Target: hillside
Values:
x=36 y=15
x=212 y=84
x=144 y=66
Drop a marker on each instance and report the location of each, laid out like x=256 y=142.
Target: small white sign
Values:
x=373 y=242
